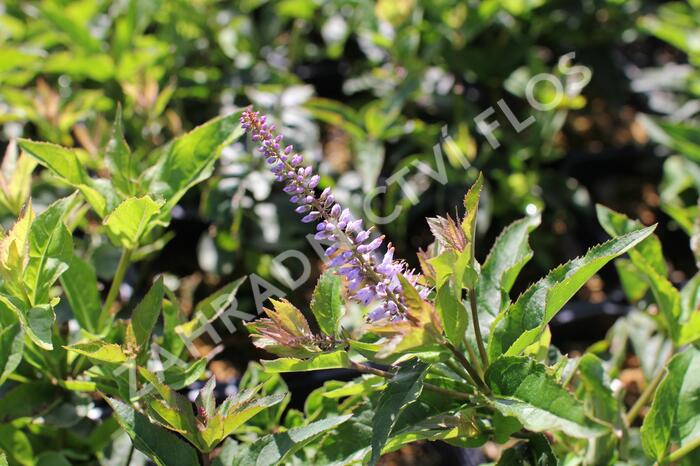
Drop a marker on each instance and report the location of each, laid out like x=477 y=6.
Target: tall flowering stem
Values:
x=353 y=252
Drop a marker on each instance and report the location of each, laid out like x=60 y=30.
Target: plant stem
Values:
x=644 y=397
x=470 y=369
x=473 y=357
x=684 y=450
x=388 y=375
x=477 y=329
x=124 y=261
x=460 y=370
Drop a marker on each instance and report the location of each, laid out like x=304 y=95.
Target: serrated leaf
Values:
x=509 y=253
x=233 y=413
x=402 y=389
x=146 y=313
x=65 y=164
x=276 y=449
x=520 y=325
x=131 y=220
x=80 y=286
x=100 y=351
x=617 y=224
x=333 y=360
x=674 y=418
x=327 y=302
x=522 y=388
x=11 y=347
x=161 y=446
x=172 y=409
x=471 y=205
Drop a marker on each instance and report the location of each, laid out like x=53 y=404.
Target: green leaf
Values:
x=100 y=351
x=632 y=280
x=132 y=219
x=172 y=409
x=674 y=417
x=16 y=445
x=190 y=159
x=29 y=400
x=667 y=297
x=471 y=205
x=326 y=303
x=277 y=448
x=11 y=347
x=597 y=386
x=119 y=159
x=65 y=164
x=233 y=413
x=521 y=324
x=452 y=313
x=210 y=309
x=178 y=377
x=80 y=286
x=509 y=253
x=617 y=224
x=52 y=458
x=402 y=390
x=50 y=251
x=162 y=447
x=601 y=403
x=146 y=313
x=337 y=114
x=334 y=360
x=523 y=389
x=536 y=451
x=681 y=137
x=37 y=322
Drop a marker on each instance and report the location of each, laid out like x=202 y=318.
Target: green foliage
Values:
x=95 y=305
x=524 y=390
x=162 y=447
x=673 y=418
x=326 y=304
x=520 y=325
x=402 y=390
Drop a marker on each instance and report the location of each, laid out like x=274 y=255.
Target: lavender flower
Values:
x=370 y=278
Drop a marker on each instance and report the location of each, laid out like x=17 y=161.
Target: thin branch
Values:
x=477 y=329
x=388 y=375
x=124 y=261
x=465 y=363
x=645 y=396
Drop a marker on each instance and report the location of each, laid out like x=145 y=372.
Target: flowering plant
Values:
x=445 y=354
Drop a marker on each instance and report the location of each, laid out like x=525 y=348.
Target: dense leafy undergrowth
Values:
x=154 y=234
x=444 y=353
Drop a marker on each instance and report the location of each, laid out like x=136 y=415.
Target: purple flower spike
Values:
x=369 y=278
